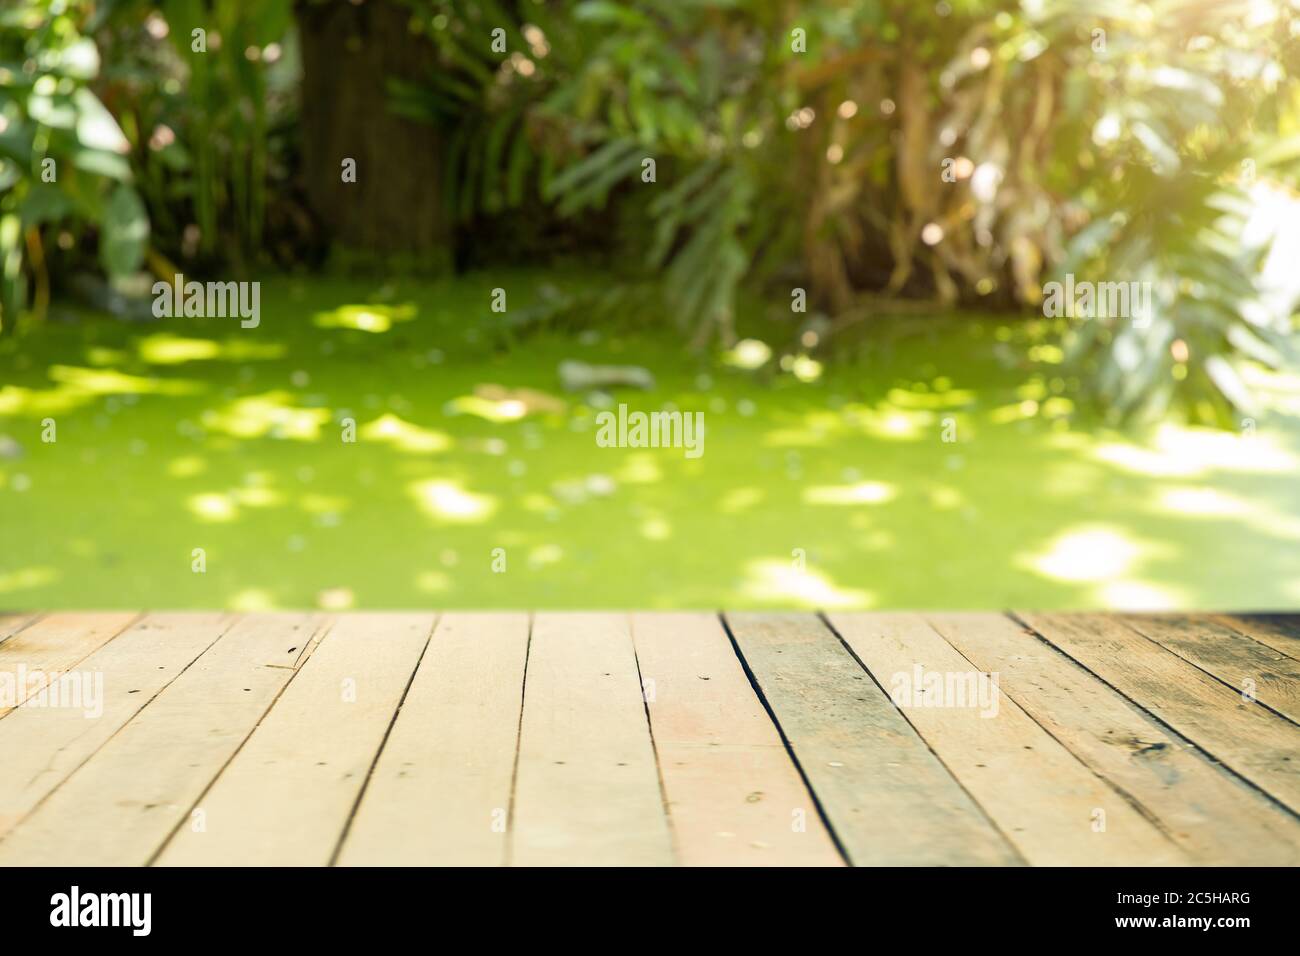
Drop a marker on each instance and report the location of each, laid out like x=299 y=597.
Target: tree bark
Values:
x=393 y=210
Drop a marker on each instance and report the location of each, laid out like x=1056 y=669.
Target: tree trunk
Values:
x=393 y=210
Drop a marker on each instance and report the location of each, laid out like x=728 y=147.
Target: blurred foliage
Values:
x=959 y=153
x=63 y=156
x=808 y=142
x=208 y=125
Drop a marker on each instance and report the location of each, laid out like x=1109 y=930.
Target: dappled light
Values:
x=165 y=349
x=449 y=502
x=863 y=493
x=365 y=318
x=778 y=582
x=404 y=435
x=270 y=414
x=458 y=452
x=1088 y=554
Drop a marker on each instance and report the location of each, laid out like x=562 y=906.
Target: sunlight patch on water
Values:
x=271 y=413
x=404 y=435
x=1086 y=554
x=1183 y=452
x=448 y=501
x=1139 y=596
x=780 y=582
x=163 y=348
x=365 y=318
x=863 y=493
x=26 y=578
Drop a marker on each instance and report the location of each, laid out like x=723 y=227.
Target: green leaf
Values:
x=96 y=128
x=123 y=233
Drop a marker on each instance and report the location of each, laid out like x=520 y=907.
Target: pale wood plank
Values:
x=120 y=806
x=734 y=796
x=1211 y=814
x=51 y=645
x=440 y=791
x=587 y=789
x=11 y=624
x=42 y=745
x=887 y=797
x=1259 y=745
x=1272 y=678
x=1049 y=805
x=286 y=797
x=1278 y=631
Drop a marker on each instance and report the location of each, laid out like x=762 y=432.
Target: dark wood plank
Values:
x=1050 y=805
x=1214 y=816
x=1245 y=665
x=1255 y=742
x=1279 y=631
x=887 y=797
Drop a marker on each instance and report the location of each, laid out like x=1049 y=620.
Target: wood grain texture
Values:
x=1254 y=742
x=734 y=796
x=52 y=645
x=120 y=806
x=287 y=795
x=587 y=788
x=440 y=791
x=42 y=745
x=887 y=797
x=1245 y=665
x=11 y=624
x=1051 y=806
x=1278 y=631
x=1212 y=815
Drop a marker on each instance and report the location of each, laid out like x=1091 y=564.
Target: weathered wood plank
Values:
x=1278 y=631
x=53 y=644
x=734 y=796
x=286 y=797
x=1259 y=745
x=1211 y=814
x=1247 y=666
x=42 y=745
x=120 y=806
x=1054 y=809
x=887 y=797
x=587 y=788
x=440 y=791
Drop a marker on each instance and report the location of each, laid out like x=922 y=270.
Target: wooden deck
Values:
x=649 y=739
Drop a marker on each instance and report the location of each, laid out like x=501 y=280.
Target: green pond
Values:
x=195 y=463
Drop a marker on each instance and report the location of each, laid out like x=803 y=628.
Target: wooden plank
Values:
x=440 y=791
x=1054 y=809
x=887 y=797
x=734 y=796
x=1257 y=744
x=120 y=806
x=1278 y=631
x=1211 y=814
x=52 y=645
x=11 y=624
x=587 y=788
x=286 y=797
x=1245 y=665
x=42 y=744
